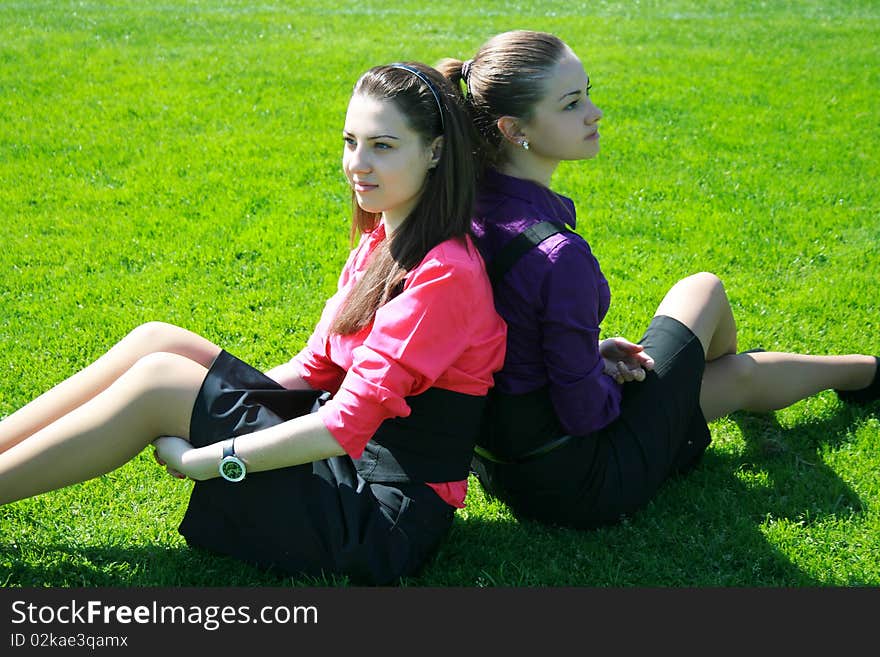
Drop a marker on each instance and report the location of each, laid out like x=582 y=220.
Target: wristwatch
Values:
x=232 y=468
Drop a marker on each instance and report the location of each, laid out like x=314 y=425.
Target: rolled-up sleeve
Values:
x=584 y=397
x=414 y=339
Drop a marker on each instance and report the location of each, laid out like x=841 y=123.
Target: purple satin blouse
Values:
x=553 y=300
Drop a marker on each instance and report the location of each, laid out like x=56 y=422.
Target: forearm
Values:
x=297 y=441
x=288 y=376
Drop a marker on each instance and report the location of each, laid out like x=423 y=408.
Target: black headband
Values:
x=424 y=78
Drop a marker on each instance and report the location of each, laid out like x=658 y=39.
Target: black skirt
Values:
x=314 y=519
x=596 y=479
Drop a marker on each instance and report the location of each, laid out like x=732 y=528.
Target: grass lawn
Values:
x=181 y=162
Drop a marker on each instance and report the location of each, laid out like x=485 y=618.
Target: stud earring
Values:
x=525 y=144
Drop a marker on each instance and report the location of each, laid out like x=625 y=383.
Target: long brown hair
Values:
x=444 y=208
x=505 y=78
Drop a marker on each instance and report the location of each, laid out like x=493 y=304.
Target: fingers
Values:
x=626 y=346
x=620 y=348
x=175 y=473
x=613 y=369
x=627 y=370
x=637 y=358
x=170 y=446
x=168 y=468
x=627 y=373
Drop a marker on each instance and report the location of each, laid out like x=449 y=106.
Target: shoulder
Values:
x=564 y=259
x=559 y=262
x=450 y=282
x=494 y=228
x=567 y=245
x=496 y=224
x=453 y=259
x=457 y=256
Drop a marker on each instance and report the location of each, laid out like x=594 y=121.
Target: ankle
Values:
x=867 y=393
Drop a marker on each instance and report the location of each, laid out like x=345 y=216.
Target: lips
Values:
x=592 y=135
x=363 y=187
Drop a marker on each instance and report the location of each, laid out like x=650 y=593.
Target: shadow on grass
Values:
x=702 y=530
x=147 y=566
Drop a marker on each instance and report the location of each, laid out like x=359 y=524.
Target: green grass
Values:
x=181 y=162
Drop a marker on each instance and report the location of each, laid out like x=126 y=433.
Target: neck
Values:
x=523 y=164
x=392 y=223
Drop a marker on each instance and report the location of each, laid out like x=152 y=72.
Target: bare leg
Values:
x=68 y=395
x=768 y=381
x=700 y=303
x=154 y=397
x=761 y=381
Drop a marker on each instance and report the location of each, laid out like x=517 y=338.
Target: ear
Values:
x=510 y=129
x=436 y=150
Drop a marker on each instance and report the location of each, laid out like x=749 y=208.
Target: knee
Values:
x=705 y=286
x=158 y=371
x=707 y=281
x=153 y=334
x=741 y=371
x=155 y=337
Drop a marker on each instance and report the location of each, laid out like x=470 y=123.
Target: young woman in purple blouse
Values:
x=581 y=431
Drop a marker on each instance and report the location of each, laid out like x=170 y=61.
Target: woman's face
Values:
x=564 y=125
x=385 y=161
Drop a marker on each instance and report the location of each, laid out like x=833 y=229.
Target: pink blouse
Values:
x=440 y=331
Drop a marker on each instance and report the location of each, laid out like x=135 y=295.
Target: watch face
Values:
x=232 y=469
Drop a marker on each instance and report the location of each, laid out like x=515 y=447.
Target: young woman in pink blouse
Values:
x=581 y=430
x=352 y=457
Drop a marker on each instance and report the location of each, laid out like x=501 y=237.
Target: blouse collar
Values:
x=555 y=206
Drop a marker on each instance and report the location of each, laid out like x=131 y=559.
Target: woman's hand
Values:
x=182 y=460
x=624 y=360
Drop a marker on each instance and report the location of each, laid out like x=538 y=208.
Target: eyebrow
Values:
x=351 y=134
x=577 y=92
x=570 y=93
